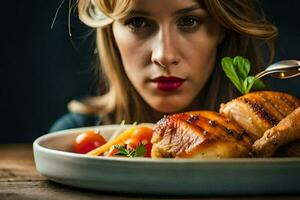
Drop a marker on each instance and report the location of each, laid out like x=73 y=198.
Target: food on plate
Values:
x=87 y=141
x=259 y=111
x=133 y=142
x=118 y=140
x=137 y=145
x=141 y=135
x=286 y=131
x=199 y=134
x=269 y=118
x=263 y=123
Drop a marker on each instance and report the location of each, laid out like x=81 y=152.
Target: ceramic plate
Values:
x=161 y=176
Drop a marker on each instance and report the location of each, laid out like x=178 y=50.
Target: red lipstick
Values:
x=169 y=83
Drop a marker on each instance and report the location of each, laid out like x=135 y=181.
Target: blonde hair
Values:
x=247 y=32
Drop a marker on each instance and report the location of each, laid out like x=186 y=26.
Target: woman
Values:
x=163 y=56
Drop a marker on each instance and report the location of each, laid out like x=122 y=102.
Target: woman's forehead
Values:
x=165 y=6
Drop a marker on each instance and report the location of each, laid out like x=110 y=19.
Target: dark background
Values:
x=42 y=69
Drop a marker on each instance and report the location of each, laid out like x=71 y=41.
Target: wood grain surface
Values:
x=19 y=180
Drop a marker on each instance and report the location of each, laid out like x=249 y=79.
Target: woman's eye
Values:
x=188 y=22
x=138 y=23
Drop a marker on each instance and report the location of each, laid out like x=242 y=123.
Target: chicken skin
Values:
x=287 y=131
x=259 y=111
x=270 y=120
x=199 y=134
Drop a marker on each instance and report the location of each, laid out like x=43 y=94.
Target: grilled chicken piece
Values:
x=259 y=111
x=287 y=130
x=199 y=134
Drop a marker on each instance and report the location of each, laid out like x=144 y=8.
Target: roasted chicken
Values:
x=287 y=131
x=199 y=134
x=270 y=120
x=257 y=112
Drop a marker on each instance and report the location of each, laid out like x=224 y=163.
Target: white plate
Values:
x=162 y=176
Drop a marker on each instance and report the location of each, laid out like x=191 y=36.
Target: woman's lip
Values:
x=167 y=79
x=169 y=83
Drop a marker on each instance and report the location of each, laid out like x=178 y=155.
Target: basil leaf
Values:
x=242 y=66
x=258 y=85
x=248 y=82
x=237 y=70
x=254 y=84
x=230 y=72
x=245 y=86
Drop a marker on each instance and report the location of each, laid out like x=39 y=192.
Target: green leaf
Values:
x=140 y=151
x=248 y=82
x=230 y=71
x=245 y=86
x=258 y=85
x=122 y=151
x=242 y=66
x=253 y=84
x=237 y=70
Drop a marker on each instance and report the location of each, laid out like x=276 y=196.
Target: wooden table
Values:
x=20 y=180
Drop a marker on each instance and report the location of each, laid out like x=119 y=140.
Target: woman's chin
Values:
x=168 y=108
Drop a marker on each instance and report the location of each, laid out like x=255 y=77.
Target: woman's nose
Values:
x=164 y=50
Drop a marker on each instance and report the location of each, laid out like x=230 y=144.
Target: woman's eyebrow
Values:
x=186 y=10
x=139 y=12
x=180 y=11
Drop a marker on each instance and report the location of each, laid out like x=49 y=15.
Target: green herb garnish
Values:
x=140 y=151
x=237 y=70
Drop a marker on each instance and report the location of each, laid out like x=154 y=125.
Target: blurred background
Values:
x=43 y=68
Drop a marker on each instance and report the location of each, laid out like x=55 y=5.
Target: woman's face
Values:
x=168 y=49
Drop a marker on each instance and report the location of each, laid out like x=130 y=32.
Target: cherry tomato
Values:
x=143 y=135
x=112 y=151
x=132 y=143
x=87 y=141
